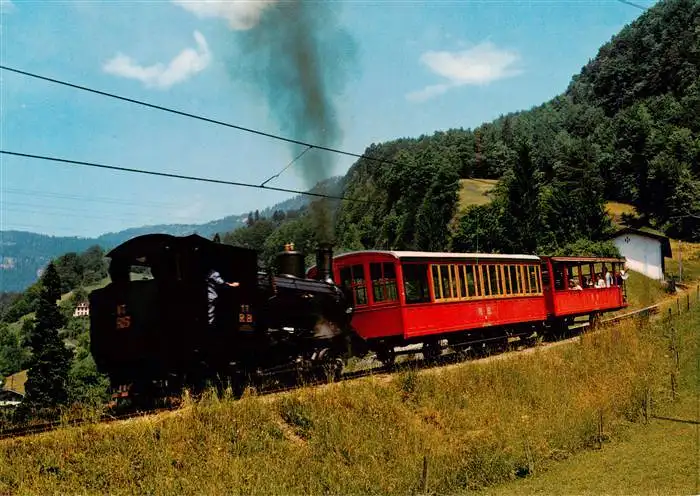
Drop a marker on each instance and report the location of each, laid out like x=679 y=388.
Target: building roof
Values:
x=648 y=233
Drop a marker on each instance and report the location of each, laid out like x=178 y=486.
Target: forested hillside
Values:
x=626 y=129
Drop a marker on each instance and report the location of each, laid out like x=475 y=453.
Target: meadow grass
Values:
x=658 y=457
x=477 y=424
x=689 y=255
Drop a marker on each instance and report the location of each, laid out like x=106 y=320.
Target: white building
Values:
x=644 y=251
x=82 y=310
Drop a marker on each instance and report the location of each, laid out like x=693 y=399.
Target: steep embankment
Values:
x=475 y=424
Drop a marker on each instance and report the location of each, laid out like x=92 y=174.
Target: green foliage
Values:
x=77 y=270
x=479 y=230
x=86 y=385
x=251 y=236
x=47 y=379
x=13 y=355
x=521 y=218
x=23 y=305
x=587 y=248
x=74 y=270
x=437 y=210
x=7 y=299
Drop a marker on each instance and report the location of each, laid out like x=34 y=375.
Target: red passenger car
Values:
x=581 y=286
x=405 y=297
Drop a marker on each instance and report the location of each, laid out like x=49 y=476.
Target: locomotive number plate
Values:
x=245 y=316
x=123 y=320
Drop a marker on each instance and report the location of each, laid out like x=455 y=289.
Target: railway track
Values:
x=415 y=364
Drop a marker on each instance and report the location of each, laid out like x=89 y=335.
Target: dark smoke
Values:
x=299 y=58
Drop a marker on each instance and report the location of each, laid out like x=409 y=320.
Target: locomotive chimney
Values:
x=324 y=262
x=290 y=262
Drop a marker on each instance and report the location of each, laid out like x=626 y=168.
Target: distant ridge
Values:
x=23 y=254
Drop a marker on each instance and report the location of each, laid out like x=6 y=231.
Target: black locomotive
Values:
x=186 y=326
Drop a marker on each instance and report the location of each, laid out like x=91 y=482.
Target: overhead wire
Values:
x=627 y=2
x=179 y=176
x=195 y=116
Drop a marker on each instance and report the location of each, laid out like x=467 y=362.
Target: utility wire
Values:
x=179 y=176
x=195 y=116
x=286 y=166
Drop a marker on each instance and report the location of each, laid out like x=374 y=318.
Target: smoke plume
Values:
x=299 y=58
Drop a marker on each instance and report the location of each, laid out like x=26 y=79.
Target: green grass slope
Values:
x=477 y=424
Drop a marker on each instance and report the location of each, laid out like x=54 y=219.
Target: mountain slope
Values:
x=626 y=129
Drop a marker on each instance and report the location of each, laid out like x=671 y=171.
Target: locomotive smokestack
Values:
x=324 y=262
x=290 y=262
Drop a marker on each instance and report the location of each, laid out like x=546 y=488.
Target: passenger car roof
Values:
x=435 y=256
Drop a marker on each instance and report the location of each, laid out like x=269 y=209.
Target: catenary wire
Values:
x=195 y=116
x=180 y=176
x=627 y=2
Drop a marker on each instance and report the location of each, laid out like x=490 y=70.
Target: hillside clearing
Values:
x=474 y=192
x=616 y=210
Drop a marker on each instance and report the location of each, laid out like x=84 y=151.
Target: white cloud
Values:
x=185 y=65
x=479 y=65
x=240 y=14
x=6 y=6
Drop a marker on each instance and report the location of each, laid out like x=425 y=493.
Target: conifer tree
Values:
x=522 y=220
x=47 y=378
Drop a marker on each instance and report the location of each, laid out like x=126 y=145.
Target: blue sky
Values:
x=418 y=67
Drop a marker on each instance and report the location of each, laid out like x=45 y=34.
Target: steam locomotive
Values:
x=157 y=332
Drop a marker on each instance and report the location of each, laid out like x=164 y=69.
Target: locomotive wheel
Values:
x=332 y=370
x=431 y=350
x=387 y=356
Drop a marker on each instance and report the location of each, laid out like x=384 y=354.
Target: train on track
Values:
x=186 y=311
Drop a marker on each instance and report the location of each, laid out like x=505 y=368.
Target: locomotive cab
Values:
x=156 y=316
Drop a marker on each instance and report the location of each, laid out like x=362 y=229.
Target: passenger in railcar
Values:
x=600 y=283
x=574 y=285
x=608 y=277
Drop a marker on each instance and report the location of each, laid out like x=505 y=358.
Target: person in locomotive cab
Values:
x=214 y=282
